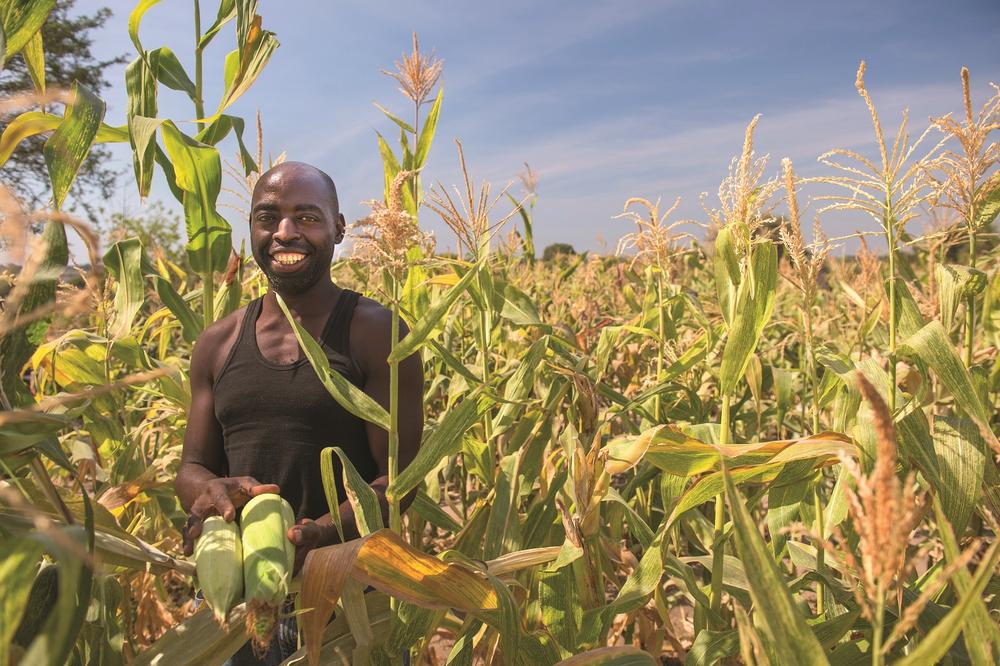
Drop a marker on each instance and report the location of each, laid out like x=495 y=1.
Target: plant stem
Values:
x=207 y=278
x=718 y=551
x=395 y=521
x=890 y=237
x=878 y=659
x=970 y=307
x=199 y=104
x=661 y=331
x=820 y=552
x=817 y=499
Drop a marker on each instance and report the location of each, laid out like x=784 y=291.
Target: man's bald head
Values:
x=288 y=170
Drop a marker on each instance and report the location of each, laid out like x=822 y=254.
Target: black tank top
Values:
x=276 y=419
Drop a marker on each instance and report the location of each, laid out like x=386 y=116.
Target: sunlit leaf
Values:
x=349 y=396
x=22 y=20
x=198 y=173
x=69 y=145
x=790 y=636
x=754 y=302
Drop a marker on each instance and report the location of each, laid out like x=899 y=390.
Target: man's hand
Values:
x=222 y=497
x=308 y=534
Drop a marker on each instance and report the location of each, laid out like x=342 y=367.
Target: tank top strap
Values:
x=244 y=336
x=338 y=333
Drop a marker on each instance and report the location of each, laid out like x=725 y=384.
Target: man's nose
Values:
x=287 y=230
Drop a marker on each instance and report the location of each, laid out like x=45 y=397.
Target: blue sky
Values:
x=605 y=100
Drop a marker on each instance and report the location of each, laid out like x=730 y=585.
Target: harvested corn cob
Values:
x=218 y=557
x=268 y=557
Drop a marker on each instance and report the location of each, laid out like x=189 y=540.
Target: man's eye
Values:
x=308 y=218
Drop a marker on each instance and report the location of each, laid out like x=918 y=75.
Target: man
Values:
x=259 y=415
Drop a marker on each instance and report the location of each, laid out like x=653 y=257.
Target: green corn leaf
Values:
x=427 y=132
x=254 y=48
x=961 y=455
x=430 y=511
x=55 y=642
x=908 y=317
x=931 y=345
x=191 y=324
x=170 y=72
x=227 y=12
x=35 y=122
x=69 y=145
x=23 y=429
x=22 y=20
x=362 y=497
x=611 y=656
x=427 y=327
x=783 y=503
x=561 y=610
x=754 y=302
x=219 y=129
x=954 y=284
x=390 y=165
x=938 y=640
x=125 y=262
x=499 y=526
x=17 y=346
x=444 y=441
x=790 y=637
x=34 y=57
x=727 y=272
x=198 y=173
x=349 y=396
x=637 y=526
x=18 y=561
x=135 y=18
x=711 y=647
x=403 y=125
x=329 y=477
x=981 y=634
x=518 y=386
x=200 y=640
x=518 y=307
x=141 y=88
x=989 y=209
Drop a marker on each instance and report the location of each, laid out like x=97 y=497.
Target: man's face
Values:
x=294 y=226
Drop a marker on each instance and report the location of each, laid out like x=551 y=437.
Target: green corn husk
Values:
x=218 y=557
x=268 y=557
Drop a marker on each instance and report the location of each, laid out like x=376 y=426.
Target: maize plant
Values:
x=744 y=448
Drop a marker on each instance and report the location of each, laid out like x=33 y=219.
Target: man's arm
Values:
x=200 y=486
x=376 y=332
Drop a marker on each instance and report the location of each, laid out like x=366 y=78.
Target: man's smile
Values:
x=287 y=259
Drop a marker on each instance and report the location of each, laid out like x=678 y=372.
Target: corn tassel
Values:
x=268 y=557
x=218 y=557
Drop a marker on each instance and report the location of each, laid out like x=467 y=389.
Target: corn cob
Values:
x=218 y=557
x=268 y=557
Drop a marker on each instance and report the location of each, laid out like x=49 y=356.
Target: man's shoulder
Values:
x=224 y=329
x=214 y=343
x=371 y=333
x=371 y=316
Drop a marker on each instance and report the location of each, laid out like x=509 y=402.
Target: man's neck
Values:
x=313 y=301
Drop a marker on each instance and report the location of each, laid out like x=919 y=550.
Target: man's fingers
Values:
x=225 y=507
x=303 y=532
x=264 y=488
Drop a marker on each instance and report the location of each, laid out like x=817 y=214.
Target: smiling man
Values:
x=259 y=415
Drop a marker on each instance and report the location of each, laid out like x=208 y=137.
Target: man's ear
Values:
x=341 y=227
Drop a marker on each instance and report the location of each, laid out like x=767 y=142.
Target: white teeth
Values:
x=288 y=258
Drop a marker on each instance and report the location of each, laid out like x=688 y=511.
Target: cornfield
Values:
x=746 y=448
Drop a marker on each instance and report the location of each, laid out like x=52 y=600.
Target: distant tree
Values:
x=67 y=41
x=556 y=249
